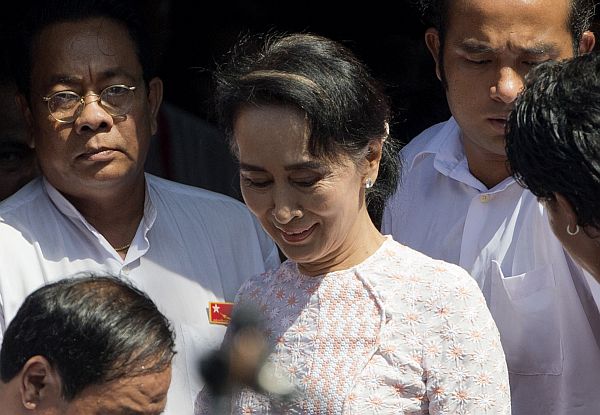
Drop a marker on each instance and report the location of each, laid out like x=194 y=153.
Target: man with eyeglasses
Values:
x=90 y=100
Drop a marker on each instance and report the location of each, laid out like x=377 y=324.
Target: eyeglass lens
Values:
x=67 y=105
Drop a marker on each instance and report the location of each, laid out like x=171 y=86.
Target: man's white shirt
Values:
x=541 y=301
x=191 y=247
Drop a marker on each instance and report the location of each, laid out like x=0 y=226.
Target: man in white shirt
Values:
x=457 y=201
x=90 y=101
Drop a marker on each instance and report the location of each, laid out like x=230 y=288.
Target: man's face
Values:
x=140 y=395
x=17 y=158
x=97 y=151
x=490 y=46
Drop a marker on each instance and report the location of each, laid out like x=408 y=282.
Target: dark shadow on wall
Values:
x=388 y=37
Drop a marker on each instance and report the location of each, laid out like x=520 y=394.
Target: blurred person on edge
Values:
x=553 y=145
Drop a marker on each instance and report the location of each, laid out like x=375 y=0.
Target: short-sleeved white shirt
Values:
x=540 y=300
x=191 y=247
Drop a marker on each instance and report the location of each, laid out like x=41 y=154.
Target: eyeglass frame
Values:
x=82 y=102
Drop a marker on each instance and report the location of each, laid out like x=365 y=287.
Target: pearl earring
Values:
x=368 y=183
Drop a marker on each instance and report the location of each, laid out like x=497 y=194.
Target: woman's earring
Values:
x=572 y=233
x=368 y=183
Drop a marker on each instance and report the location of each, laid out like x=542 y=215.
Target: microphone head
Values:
x=214 y=369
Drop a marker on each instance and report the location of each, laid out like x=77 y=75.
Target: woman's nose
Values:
x=285 y=208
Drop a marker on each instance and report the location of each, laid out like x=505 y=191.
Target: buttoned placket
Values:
x=475 y=236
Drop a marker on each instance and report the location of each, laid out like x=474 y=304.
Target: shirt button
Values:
x=484 y=198
x=125 y=271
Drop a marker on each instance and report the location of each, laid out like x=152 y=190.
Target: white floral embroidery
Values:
x=400 y=333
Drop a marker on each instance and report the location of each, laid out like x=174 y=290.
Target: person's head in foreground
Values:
x=86 y=346
x=310 y=128
x=553 y=146
x=484 y=48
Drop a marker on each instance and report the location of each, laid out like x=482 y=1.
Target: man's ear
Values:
x=155 y=96
x=432 y=40
x=40 y=385
x=587 y=42
x=23 y=106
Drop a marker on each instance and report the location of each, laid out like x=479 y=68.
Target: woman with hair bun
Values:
x=358 y=323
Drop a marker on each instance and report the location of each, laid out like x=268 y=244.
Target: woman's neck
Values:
x=360 y=243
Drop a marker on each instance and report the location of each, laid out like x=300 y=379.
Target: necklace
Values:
x=124 y=247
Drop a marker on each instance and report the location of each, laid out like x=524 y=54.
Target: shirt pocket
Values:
x=525 y=310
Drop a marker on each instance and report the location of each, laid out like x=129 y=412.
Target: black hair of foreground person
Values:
x=553 y=135
x=92 y=330
x=344 y=105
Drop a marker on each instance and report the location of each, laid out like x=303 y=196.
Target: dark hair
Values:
x=553 y=134
x=344 y=105
x=435 y=14
x=581 y=14
x=43 y=13
x=92 y=330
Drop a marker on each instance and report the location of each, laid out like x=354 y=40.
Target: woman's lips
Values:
x=294 y=236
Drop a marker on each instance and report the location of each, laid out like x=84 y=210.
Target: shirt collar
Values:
x=436 y=144
x=449 y=158
x=62 y=204
x=66 y=208
x=150 y=212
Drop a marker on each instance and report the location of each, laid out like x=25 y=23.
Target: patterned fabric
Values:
x=400 y=333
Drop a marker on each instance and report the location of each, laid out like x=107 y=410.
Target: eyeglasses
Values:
x=66 y=106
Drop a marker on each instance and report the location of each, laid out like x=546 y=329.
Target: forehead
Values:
x=83 y=49
x=281 y=128
x=499 y=21
x=144 y=394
